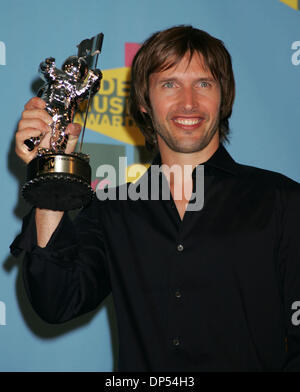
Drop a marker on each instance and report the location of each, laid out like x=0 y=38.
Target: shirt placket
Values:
x=176 y=294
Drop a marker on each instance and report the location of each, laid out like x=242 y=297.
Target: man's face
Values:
x=185 y=101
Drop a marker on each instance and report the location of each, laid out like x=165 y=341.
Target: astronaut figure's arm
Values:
x=91 y=83
x=48 y=70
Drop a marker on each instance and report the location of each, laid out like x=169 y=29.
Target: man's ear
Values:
x=142 y=109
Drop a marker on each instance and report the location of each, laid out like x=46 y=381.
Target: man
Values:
x=208 y=290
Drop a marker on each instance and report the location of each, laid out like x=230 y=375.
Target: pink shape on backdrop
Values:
x=130 y=50
x=95 y=183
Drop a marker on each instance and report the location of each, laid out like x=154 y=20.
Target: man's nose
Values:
x=188 y=99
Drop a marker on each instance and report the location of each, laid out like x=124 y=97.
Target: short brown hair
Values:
x=164 y=49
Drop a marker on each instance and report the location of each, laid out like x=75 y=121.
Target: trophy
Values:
x=56 y=180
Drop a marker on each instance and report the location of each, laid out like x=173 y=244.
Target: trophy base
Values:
x=58 y=182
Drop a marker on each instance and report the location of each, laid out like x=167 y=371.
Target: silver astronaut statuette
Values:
x=56 y=180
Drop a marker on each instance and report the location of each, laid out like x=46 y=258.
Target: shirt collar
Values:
x=220 y=160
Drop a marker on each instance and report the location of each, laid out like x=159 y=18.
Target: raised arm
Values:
x=64 y=269
x=36 y=121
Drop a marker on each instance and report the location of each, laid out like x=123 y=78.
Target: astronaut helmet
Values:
x=76 y=68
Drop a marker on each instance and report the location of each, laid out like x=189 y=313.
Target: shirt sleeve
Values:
x=70 y=276
x=289 y=257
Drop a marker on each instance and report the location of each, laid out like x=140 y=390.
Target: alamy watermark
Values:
x=2 y=53
x=296 y=315
x=154 y=184
x=2 y=313
x=296 y=55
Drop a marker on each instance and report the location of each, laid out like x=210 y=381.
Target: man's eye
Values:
x=168 y=84
x=204 y=84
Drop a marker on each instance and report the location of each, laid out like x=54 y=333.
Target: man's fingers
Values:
x=37 y=113
x=21 y=149
x=35 y=103
x=21 y=136
x=34 y=123
x=73 y=129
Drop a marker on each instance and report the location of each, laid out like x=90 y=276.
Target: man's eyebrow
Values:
x=207 y=79
x=170 y=79
x=174 y=79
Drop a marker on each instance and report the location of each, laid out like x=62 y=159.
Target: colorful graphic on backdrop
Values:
x=108 y=113
x=292 y=3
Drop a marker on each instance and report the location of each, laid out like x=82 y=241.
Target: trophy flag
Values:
x=89 y=47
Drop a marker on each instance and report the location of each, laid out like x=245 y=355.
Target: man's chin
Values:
x=189 y=148
x=187 y=144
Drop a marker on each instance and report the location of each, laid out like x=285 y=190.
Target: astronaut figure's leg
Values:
x=59 y=138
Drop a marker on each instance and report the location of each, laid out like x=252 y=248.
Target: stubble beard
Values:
x=190 y=147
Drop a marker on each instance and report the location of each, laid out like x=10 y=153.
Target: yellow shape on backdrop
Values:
x=108 y=113
x=292 y=3
x=135 y=171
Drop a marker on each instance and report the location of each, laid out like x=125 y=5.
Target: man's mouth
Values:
x=188 y=122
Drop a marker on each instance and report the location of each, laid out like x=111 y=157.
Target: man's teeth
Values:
x=187 y=121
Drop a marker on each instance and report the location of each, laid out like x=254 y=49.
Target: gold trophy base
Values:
x=59 y=182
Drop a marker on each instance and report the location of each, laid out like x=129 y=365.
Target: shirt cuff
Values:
x=26 y=240
x=62 y=244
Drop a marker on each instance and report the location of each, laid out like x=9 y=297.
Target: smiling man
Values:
x=185 y=101
x=185 y=106
x=215 y=289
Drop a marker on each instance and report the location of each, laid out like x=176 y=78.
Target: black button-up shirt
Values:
x=216 y=291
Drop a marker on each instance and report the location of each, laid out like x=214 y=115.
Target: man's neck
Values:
x=170 y=157
x=179 y=168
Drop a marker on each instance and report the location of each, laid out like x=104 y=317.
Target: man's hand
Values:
x=36 y=122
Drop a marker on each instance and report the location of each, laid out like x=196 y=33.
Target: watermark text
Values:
x=2 y=53
x=296 y=55
x=186 y=183
x=2 y=313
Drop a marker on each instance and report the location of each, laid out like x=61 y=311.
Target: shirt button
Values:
x=178 y=294
x=180 y=248
x=176 y=342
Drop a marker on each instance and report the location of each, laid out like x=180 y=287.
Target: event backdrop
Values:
x=263 y=37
